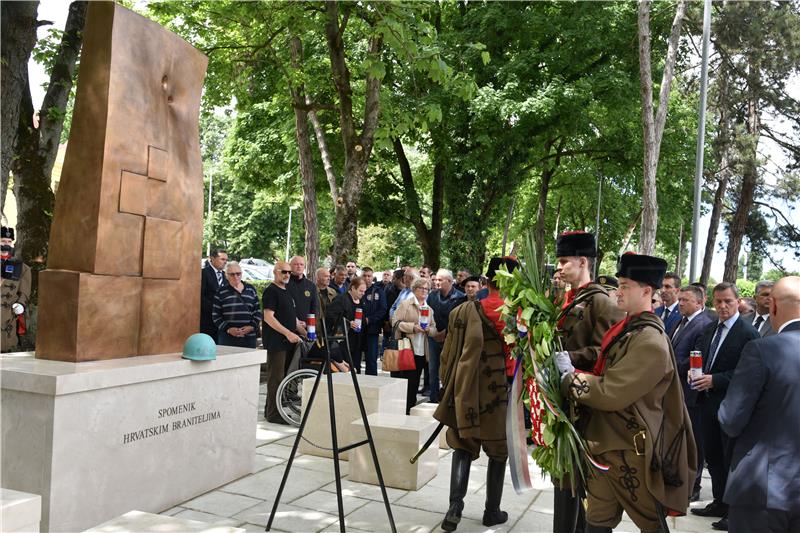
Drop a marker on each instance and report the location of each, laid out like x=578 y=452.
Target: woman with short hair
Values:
x=406 y=320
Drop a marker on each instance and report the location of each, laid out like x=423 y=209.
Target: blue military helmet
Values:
x=200 y=347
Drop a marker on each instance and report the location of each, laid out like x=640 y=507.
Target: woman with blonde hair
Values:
x=407 y=322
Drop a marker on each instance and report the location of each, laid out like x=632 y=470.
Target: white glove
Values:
x=564 y=363
x=18 y=308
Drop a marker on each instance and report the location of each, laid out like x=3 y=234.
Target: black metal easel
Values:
x=325 y=368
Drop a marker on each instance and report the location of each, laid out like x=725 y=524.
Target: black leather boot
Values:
x=597 y=529
x=459 y=479
x=565 y=511
x=495 y=474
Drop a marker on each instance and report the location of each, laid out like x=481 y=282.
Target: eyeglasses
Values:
x=285 y=271
x=422 y=289
x=234 y=274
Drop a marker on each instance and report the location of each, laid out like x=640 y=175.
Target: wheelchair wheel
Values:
x=290 y=395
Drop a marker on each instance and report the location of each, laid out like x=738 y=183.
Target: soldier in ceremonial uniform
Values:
x=587 y=314
x=639 y=427
x=16 y=291
x=473 y=403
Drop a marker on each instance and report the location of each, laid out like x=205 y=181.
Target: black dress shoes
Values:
x=715 y=508
x=721 y=525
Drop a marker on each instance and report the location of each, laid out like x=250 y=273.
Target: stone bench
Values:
x=380 y=394
x=138 y=521
x=20 y=511
x=426 y=410
x=397 y=438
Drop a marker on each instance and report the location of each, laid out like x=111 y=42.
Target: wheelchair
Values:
x=307 y=360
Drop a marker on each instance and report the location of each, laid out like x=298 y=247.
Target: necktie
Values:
x=759 y=321
x=684 y=321
x=715 y=345
x=666 y=313
x=219 y=277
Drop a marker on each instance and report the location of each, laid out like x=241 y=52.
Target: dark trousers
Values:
x=413 y=381
x=369 y=349
x=356 y=347
x=434 y=356
x=758 y=520
x=241 y=342
x=696 y=416
x=716 y=448
x=276 y=371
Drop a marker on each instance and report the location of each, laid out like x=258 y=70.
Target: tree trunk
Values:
x=653 y=128
x=357 y=147
x=680 y=257
x=306 y=165
x=429 y=238
x=18 y=20
x=738 y=225
x=38 y=147
x=626 y=239
x=713 y=227
x=723 y=158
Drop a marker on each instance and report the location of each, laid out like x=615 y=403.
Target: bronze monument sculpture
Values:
x=123 y=266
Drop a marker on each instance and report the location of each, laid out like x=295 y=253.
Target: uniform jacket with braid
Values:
x=584 y=325
x=637 y=402
x=473 y=372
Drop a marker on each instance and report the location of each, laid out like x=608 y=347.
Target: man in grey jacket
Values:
x=759 y=319
x=760 y=412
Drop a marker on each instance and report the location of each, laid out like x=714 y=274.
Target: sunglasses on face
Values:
x=285 y=271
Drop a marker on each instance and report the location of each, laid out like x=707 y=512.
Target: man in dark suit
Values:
x=760 y=319
x=213 y=277
x=721 y=344
x=669 y=312
x=691 y=302
x=761 y=413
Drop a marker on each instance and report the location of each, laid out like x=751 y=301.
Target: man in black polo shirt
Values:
x=303 y=292
x=280 y=327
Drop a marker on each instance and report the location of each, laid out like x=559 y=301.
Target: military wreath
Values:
x=531 y=316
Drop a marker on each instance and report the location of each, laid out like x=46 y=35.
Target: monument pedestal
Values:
x=97 y=439
x=19 y=511
x=397 y=439
x=380 y=394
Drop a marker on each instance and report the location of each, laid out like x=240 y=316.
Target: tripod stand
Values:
x=325 y=368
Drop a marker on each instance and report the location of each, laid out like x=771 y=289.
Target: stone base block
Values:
x=380 y=394
x=140 y=522
x=19 y=511
x=97 y=439
x=397 y=439
x=426 y=410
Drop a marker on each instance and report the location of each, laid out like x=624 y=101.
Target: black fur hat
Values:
x=609 y=282
x=495 y=262
x=642 y=268
x=7 y=233
x=575 y=244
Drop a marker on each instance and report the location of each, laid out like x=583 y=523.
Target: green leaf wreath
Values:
x=560 y=451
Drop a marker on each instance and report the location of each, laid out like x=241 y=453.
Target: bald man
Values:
x=761 y=412
x=280 y=335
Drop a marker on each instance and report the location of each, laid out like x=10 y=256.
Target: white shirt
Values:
x=670 y=309
x=728 y=325
x=764 y=318
x=693 y=315
x=787 y=323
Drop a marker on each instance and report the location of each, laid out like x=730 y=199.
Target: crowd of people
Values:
x=653 y=416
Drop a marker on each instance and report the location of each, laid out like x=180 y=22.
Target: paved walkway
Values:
x=309 y=501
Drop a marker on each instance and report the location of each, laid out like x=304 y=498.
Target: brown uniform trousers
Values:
x=621 y=488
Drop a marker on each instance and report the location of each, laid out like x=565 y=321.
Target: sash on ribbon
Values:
x=516 y=434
